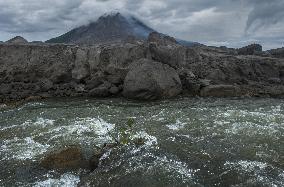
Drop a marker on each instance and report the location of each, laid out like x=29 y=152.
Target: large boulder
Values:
x=66 y=159
x=165 y=49
x=150 y=80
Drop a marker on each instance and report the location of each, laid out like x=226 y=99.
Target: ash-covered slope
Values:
x=108 y=28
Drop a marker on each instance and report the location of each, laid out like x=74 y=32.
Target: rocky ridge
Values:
x=17 y=40
x=155 y=69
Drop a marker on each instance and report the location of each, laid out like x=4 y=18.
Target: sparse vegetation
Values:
x=126 y=134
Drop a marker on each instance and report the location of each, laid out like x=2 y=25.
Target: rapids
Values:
x=189 y=142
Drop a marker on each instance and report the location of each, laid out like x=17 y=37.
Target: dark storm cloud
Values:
x=34 y=16
x=214 y=22
x=265 y=12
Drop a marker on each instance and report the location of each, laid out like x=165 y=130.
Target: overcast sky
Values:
x=232 y=23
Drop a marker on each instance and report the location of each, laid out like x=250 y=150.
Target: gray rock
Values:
x=81 y=69
x=173 y=55
x=149 y=80
x=115 y=74
x=67 y=70
x=79 y=87
x=217 y=75
x=96 y=80
x=45 y=85
x=161 y=39
x=101 y=91
x=190 y=83
x=114 y=90
x=253 y=49
x=191 y=86
x=5 y=88
x=278 y=53
x=220 y=91
x=115 y=79
x=205 y=82
x=185 y=73
x=274 y=80
x=95 y=159
x=165 y=49
x=67 y=159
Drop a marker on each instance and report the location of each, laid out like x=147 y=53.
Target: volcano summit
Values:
x=110 y=28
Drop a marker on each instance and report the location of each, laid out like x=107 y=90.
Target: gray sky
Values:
x=232 y=23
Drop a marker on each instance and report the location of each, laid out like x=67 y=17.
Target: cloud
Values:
x=206 y=21
x=265 y=13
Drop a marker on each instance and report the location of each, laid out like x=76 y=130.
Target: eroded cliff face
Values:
x=62 y=70
x=100 y=71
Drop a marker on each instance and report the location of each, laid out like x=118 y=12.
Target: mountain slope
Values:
x=109 y=28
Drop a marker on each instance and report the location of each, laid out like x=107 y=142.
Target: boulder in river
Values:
x=95 y=160
x=66 y=159
x=150 y=80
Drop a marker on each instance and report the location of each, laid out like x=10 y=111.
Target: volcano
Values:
x=109 y=28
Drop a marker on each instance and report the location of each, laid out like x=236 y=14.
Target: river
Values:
x=189 y=142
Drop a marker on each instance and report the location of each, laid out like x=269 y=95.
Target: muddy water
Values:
x=189 y=142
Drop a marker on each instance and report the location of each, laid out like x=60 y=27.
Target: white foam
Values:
x=245 y=165
x=30 y=104
x=268 y=116
x=66 y=180
x=252 y=129
x=98 y=127
x=40 y=122
x=160 y=116
x=82 y=125
x=172 y=167
x=175 y=166
x=176 y=126
x=44 y=122
x=150 y=140
x=259 y=171
x=22 y=149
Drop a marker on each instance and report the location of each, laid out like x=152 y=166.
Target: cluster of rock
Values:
x=279 y=53
x=157 y=68
x=253 y=49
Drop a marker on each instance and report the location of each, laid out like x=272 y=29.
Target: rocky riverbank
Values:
x=155 y=69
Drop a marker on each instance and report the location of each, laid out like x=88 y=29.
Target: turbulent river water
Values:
x=189 y=142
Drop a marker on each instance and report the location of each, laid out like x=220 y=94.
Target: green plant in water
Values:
x=126 y=134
